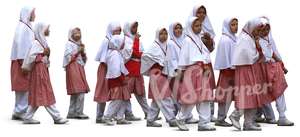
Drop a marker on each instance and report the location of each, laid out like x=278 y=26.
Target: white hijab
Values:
x=174 y=46
x=114 y=59
x=206 y=24
x=24 y=35
x=268 y=44
x=101 y=54
x=225 y=47
x=192 y=51
x=38 y=48
x=245 y=52
x=72 y=48
x=155 y=54
x=129 y=39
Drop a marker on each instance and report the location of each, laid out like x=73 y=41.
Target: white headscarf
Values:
x=174 y=46
x=225 y=47
x=114 y=59
x=72 y=48
x=192 y=51
x=38 y=48
x=101 y=54
x=245 y=52
x=25 y=15
x=24 y=35
x=268 y=44
x=129 y=39
x=155 y=54
x=206 y=24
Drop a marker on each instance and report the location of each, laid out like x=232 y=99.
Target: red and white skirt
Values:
x=159 y=86
x=101 y=91
x=19 y=80
x=76 y=79
x=40 y=93
x=136 y=85
x=225 y=86
x=196 y=85
x=251 y=87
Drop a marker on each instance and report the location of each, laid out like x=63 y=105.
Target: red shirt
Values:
x=132 y=65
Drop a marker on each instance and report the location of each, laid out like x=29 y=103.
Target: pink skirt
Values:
x=275 y=77
x=175 y=85
x=159 y=86
x=76 y=79
x=40 y=93
x=212 y=80
x=119 y=93
x=136 y=85
x=196 y=86
x=251 y=87
x=19 y=81
x=225 y=86
x=101 y=92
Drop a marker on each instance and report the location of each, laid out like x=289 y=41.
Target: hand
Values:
x=47 y=52
x=81 y=49
x=206 y=35
x=285 y=70
x=25 y=71
x=137 y=35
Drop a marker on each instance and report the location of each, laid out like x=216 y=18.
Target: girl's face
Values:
x=134 y=28
x=32 y=15
x=76 y=34
x=178 y=30
x=163 y=35
x=196 y=26
x=265 y=31
x=117 y=31
x=201 y=13
x=47 y=32
x=234 y=26
x=257 y=31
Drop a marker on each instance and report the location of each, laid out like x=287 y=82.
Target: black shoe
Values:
x=82 y=116
x=123 y=122
x=260 y=120
x=100 y=121
x=285 y=122
x=31 y=121
x=173 y=123
x=153 y=124
x=222 y=123
x=206 y=128
x=15 y=117
x=131 y=117
x=251 y=128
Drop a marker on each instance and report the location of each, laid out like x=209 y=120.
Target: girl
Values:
x=117 y=88
x=101 y=91
x=132 y=52
x=74 y=61
x=23 y=40
x=175 y=44
x=154 y=64
x=224 y=92
x=207 y=37
x=274 y=66
x=196 y=88
x=41 y=93
x=251 y=86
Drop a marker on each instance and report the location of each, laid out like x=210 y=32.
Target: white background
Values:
x=93 y=16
